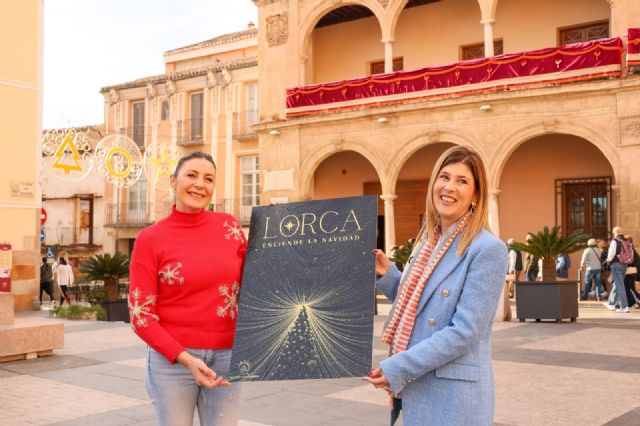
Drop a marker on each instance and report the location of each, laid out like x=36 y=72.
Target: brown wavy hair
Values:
x=479 y=218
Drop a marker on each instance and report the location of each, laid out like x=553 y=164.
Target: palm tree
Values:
x=106 y=268
x=548 y=244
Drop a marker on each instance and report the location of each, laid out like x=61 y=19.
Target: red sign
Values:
x=43 y=216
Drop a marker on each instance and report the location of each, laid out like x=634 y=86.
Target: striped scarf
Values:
x=398 y=328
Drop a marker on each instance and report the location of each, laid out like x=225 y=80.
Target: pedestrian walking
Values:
x=592 y=268
x=46 y=280
x=620 y=255
x=64 y=277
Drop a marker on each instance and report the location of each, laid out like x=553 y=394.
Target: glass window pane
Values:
x=577 y=212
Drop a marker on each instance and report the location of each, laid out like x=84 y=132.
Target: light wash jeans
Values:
x=175 y=395
x=617 y=273
x=591 y=275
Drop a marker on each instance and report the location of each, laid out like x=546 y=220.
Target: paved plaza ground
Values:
x=583 y=373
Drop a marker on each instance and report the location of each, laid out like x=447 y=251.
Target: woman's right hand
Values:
x=202 y=374
x=382 y=262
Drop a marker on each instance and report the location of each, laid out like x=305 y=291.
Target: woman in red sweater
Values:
x=185 y=275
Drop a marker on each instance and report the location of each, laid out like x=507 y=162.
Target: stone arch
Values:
x=308 y=24
x=395 y=10
x=313 y=161
x=521 y=136
x=413 y=145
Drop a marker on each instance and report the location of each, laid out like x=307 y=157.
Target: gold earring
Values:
x=473 y=206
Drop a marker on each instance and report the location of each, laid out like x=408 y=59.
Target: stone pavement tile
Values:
x=47 y=363
x=139 y=412
x=593 y=340
x=122 y=371
x=630 y=418
x=122 y=353
x=6 y=373
x=104 y=419
x=510 y=337
x=285 y=415
x=40 y=401
x=74 y=327
x=96 y=381
x=354 y=410
x=320 y=387
x=533 y=395
x=135 y=362
x=108 y=339
x=364 y=393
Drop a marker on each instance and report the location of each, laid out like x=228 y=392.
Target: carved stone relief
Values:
x=151 y=90
x=277 y=29
x=114 y=96
x=630 y=130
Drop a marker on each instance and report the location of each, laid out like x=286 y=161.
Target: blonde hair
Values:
x=479 y=217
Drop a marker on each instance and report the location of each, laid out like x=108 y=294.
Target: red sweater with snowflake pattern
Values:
x=185 y=275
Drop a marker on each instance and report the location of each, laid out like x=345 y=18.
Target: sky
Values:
x=89 y=44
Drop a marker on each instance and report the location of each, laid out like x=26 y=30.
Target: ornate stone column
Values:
x=388 y=55
x=488 y=36
x=494 y=220
x=389 y=222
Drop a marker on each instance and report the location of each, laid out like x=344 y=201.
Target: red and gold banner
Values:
x=633 y=46
x=581 y=61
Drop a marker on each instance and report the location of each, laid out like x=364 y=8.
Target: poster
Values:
x=307 y=300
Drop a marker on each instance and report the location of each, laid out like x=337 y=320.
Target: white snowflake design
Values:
x=170 y=275
x=230 y=295
x=233 y=230
x=139 y=313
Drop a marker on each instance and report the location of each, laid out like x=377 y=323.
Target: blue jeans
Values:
x=175 y=395
x=591 y=275
x=617 y=273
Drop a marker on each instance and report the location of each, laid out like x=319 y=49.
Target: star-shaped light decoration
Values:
x=289 y=225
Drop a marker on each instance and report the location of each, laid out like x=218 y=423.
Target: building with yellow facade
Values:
x=20 y=120
x=361 y=97
x=206 y=100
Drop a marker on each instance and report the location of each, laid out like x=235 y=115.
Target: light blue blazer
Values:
x=445 y=375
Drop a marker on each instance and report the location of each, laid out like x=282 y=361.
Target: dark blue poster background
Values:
x=307 y=299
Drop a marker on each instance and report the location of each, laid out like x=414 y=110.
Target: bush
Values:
x=79 y=312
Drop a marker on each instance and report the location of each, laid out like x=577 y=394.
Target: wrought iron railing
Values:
x=139 y=133
x=130 y=214
x=242 y=122
x=69 y=235
x=232 y=206
x=190 y=131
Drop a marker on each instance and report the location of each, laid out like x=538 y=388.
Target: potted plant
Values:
x=108 y=269
x=401 y=254
x=549 y=298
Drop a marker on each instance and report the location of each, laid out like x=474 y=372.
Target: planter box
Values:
x=540 y=300
x=117 y=310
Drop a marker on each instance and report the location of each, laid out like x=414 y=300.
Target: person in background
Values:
x=630 y=278
x=532 y=264
x=64 y=277
x=46 y=280
x=515 y=266
x=186 y=272
x=590 y=262
x=618 y=259
x=563 y=263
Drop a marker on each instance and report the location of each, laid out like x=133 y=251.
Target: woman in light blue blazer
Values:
x=439 y=329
